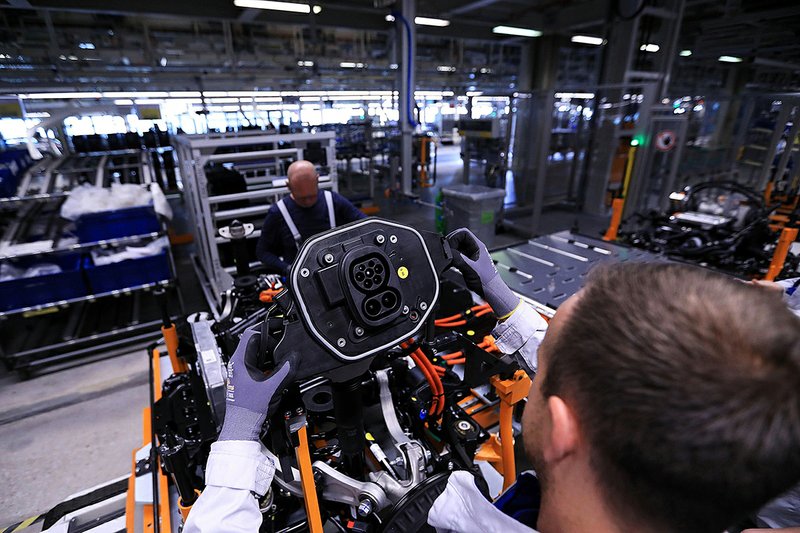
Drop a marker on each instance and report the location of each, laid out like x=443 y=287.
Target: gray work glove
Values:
x=472 y=258
x=249 y=391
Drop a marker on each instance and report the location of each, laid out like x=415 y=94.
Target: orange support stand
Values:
x=788 y=236
x=500 y=452
x=171 y=340
x=616 y=218
x=423 y=161
x=307 y=481
x=768 y=192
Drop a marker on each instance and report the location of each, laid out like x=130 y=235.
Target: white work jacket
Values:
x=239 y=471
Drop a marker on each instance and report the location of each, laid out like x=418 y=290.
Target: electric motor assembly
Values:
x=380 y=434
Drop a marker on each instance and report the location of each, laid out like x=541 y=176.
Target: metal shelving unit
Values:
x=53 y=177
x=261 y=160
x=106 y=243
x=59 y=330
x=43 y=335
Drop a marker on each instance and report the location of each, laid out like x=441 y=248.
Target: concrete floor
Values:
x=72 y=429
x=67 y=431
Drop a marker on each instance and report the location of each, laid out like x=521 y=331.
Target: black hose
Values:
x=153 y=454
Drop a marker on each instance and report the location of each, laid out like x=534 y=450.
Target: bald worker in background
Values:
x=305 y=212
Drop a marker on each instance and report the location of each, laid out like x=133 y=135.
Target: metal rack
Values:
x=48 y=334
x=59 y=330
x=261 y=160
x=53 y=177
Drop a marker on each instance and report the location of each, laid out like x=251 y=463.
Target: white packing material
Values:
x=26 y=248
x=160 y=203
x=107 y=257
x=9 y=272
x=90 y=199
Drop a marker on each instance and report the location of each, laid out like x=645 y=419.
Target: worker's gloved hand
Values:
x=249 y=391
x=472 y=258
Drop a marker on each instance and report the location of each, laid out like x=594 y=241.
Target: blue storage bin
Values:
x=28 y=292
x=128 y=273
x=106 y=225
x=9 y=181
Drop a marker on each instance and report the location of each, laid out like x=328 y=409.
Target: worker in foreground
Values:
x=305 y=212
x=666 y=398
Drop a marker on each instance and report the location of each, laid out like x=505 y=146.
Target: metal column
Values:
x=408 y=40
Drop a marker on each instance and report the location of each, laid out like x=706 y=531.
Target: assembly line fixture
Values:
x=263 y=171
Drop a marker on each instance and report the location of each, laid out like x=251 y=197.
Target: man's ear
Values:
x=564 y=432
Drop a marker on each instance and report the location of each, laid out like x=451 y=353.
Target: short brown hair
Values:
x=686 y=385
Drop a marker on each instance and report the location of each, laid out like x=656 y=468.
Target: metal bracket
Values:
x=341 y=488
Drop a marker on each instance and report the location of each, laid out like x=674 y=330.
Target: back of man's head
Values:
x=686 y=385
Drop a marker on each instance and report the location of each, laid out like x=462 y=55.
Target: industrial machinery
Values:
x=485 y=141
x=719 y=224
x=387 y=399
x=372 y=436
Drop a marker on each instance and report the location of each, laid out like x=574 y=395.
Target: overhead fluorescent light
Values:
x=568 y=96
x=512 y=30
x=446 y=68
x=123 y=102
x=587 y=39
x=135 y=94
x=393 y=66
x=184 y=94
x=428 y=21
x=291 y=7
x=356 y=97
x=60 y=96
x=730 y=59
x=305 y=63
x=389 y=18
x=685 y=53
x=474 y=93
x=350 y=64
x=86 y=46
x=650 y=48
x=486 y=70
x=433 y=94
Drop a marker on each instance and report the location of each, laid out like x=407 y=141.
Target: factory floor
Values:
x=70 y=429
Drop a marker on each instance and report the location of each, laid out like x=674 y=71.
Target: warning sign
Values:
x=666 y=140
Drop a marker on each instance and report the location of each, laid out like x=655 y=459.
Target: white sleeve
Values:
x=224 y=510
x=462 y=508
x=792 y=300
x=521 y=334
x=237 y=472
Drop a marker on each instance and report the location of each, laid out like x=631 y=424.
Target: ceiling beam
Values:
x=334 y=14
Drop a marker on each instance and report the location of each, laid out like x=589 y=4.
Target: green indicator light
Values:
x=634 y=142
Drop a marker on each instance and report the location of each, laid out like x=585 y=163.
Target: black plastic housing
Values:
x=356 y=291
